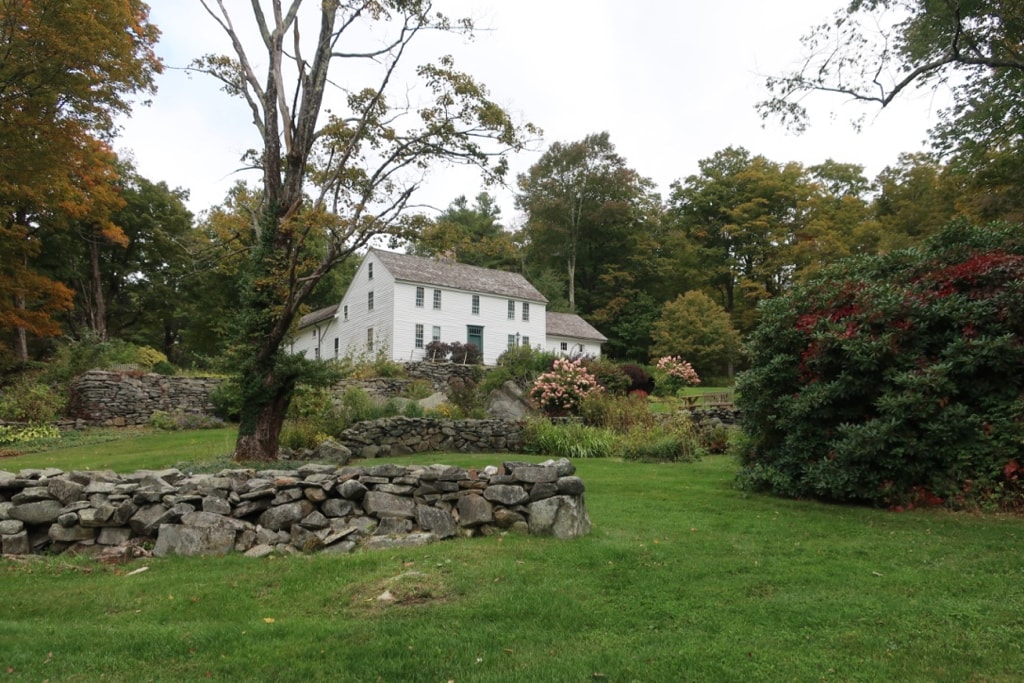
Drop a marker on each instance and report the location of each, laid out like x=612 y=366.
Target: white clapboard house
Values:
x=399 y=303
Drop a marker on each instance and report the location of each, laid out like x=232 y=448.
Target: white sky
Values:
x=672 y=81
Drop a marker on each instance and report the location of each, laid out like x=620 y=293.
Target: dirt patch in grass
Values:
x=408 y=589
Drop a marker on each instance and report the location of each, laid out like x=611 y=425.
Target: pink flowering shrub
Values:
x=676 y=373
x=560 y=391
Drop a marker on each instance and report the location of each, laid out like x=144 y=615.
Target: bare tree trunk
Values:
x=22 y=334
x=571 y=272
x=99 y=309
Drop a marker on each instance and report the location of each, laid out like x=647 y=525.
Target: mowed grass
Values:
x=137 y=449
x=683 y=578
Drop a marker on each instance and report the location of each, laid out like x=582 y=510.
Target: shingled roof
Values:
x=317 y=315
x=441 y=273
x=571 y=325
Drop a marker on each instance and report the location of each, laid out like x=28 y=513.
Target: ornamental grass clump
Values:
x=561 y=391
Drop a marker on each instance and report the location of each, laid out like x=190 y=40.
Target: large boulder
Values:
x=509 y=402
x=559 y=516
x=178 y=539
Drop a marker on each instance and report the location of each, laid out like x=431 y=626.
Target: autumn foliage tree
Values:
x=67 y=69
x=344 y=171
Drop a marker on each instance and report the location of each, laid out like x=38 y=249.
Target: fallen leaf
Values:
x=269 y=620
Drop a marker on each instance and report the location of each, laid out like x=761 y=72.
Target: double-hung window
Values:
x=419 y=336
x=511 y=309
x=476 y=304
x=511 y=342
x=369 y=301
x=526 y=312
x=419 y=297
x=435 y=334
x=437 y=299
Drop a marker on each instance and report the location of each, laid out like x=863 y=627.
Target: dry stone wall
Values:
x=316 y=507
x=390 y=436
x=118 y=399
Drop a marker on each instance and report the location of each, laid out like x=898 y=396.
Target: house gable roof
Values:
x=573 y=326
x=440 y=273
x=317 y=316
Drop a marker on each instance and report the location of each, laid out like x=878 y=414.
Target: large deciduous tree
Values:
x=67 y=69
x=874 y=50
x=347 y=175
x=742 y=213
x=585 y=208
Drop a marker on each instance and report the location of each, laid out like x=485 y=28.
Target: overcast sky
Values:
x=672 y=81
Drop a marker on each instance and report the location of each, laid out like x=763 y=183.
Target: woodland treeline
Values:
x=743 y=229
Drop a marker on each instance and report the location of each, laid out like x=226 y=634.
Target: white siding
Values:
x=456 y=316
x=352 y=333
x=574 y=346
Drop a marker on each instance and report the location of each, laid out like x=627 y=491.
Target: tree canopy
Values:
x=67 y=69
x=346 y=176
x=874 y=50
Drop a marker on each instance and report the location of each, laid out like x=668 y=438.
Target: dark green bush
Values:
x=162 y=367
x=894 y=379
x=524 y=363
x=608 y=374
x=30 y=400
x=227 y=400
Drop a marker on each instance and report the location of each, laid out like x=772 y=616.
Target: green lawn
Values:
x=150 y=450
x=683 y=578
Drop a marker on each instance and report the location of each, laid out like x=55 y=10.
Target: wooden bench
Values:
x=719 y=399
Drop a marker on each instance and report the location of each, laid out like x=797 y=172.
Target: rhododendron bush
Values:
x=560 y=391
x=896 y=379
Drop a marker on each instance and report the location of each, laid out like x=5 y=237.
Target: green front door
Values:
x=475 y=336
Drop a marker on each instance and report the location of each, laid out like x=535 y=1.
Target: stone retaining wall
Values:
x=118 y=399
x=390 y=436
x=317 y=507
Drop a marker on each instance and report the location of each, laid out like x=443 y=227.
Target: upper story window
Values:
x=369 y=270
x=511 y=309
x=437 y=299
x=476 y=304
x=419 y=297
x=345 y=310
x=369 y=301
x=526 y=312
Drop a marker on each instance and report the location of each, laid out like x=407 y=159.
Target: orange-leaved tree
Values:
x=67 y=69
